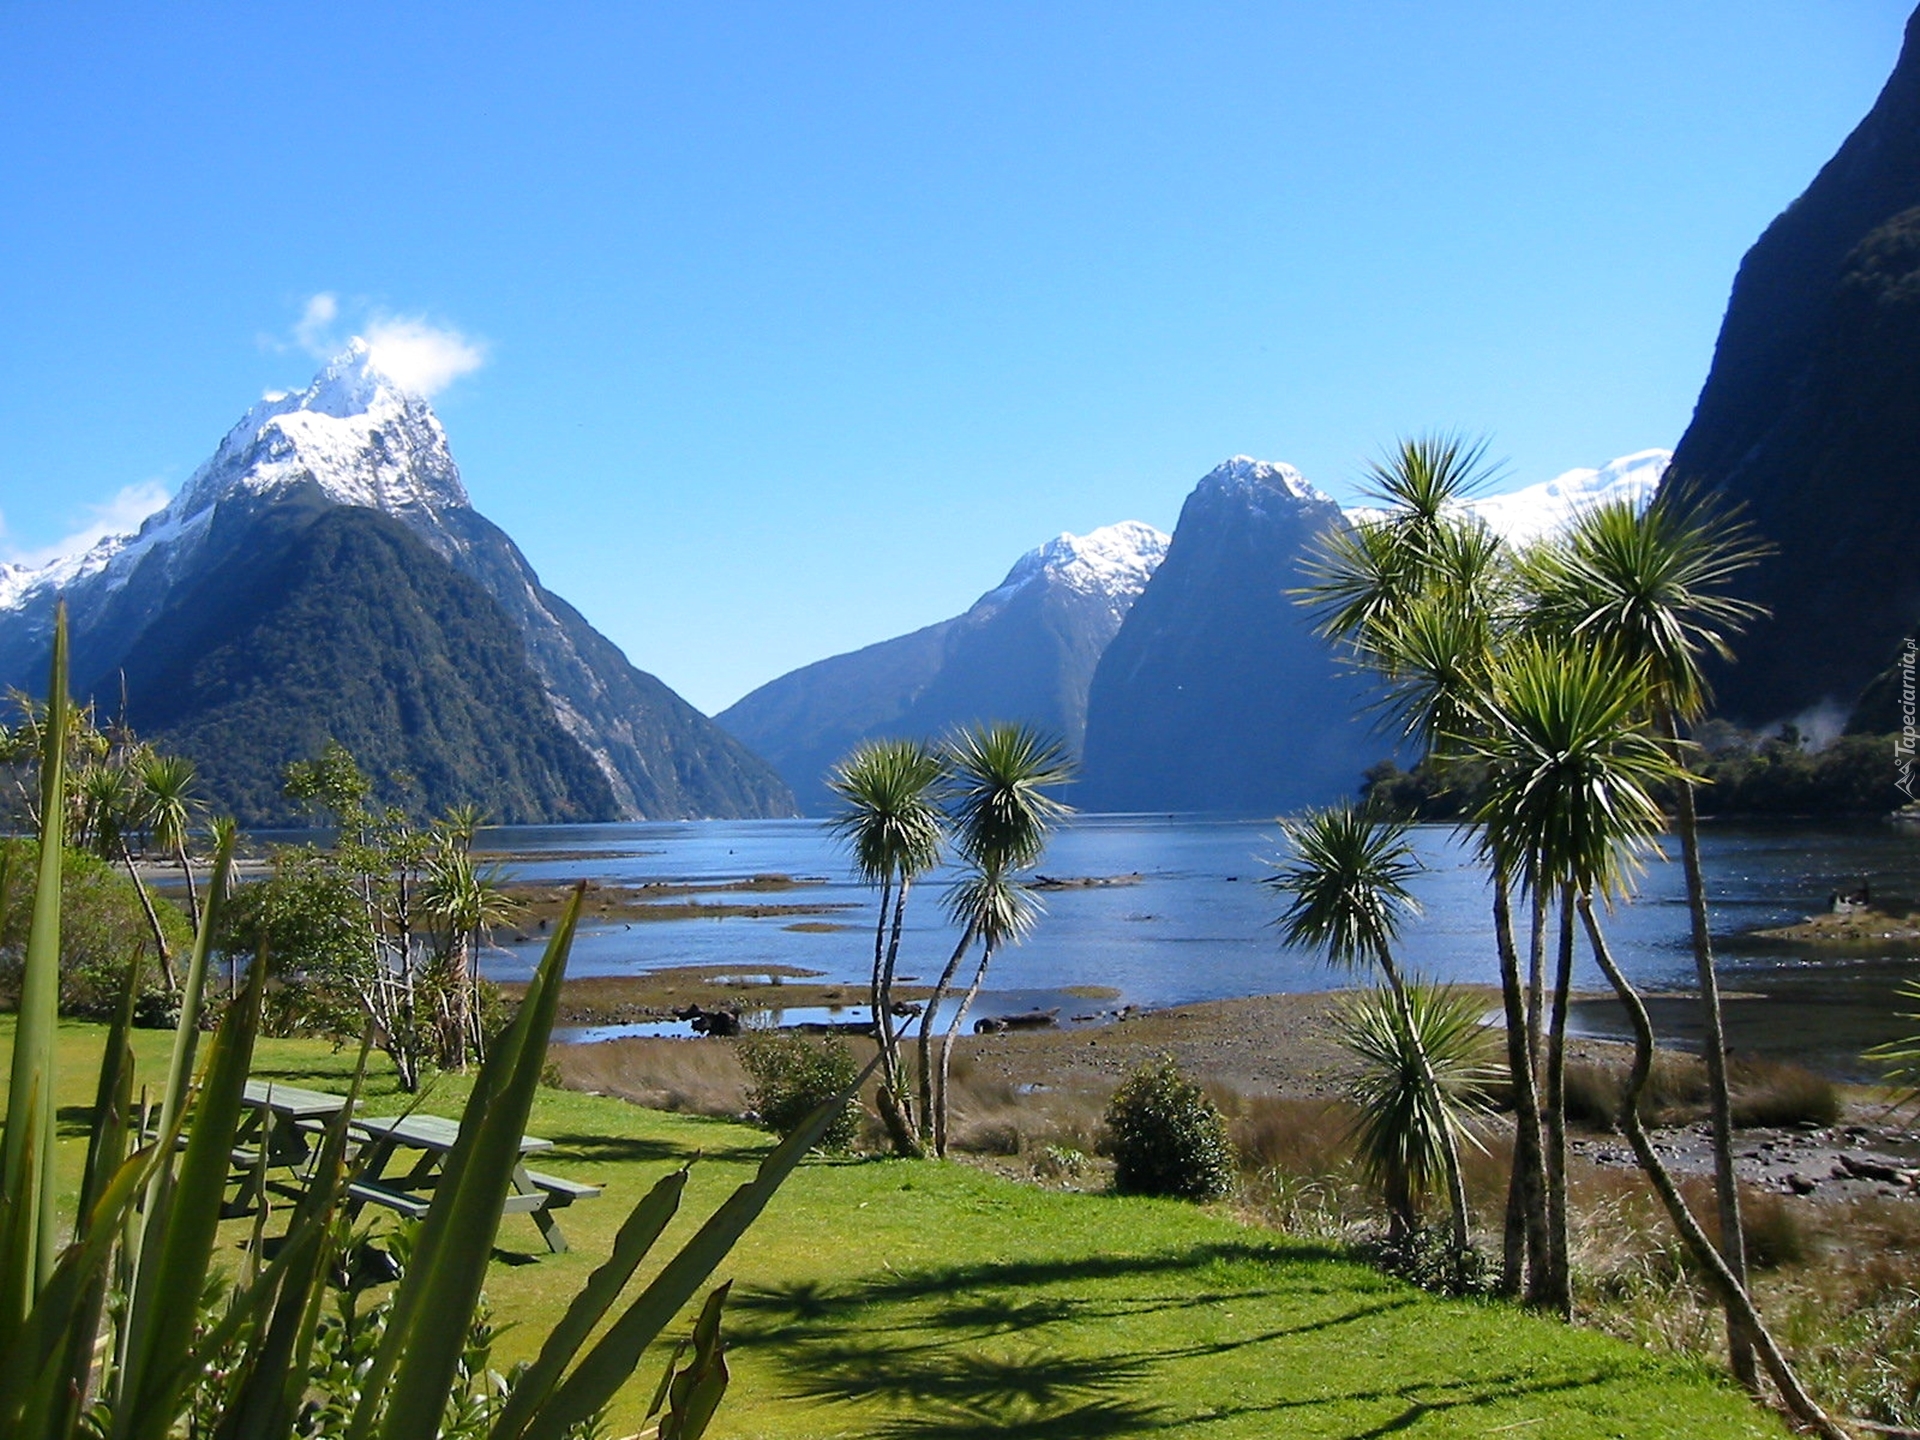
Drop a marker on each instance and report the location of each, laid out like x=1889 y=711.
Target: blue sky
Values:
x=796 y=324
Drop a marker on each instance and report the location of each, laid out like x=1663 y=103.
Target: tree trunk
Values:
x=946 y=1051
x=1449 y=1147
x=1559 y=1288
x=1713 y=1046
x=896 y=1117
x=193 y=894
x=1537 y=979
x=940 y=988
x=167 y=976
x=1526 y=1230
x=1733 y=1294
x=875 y=986
x=458 y=967
x=883 y=1019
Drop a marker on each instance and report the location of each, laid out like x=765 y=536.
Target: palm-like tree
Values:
x=1404 y=1124
x=1653 y=586
x=1423 y=595
x=1346 y=877
x=466 y=902
x=1570 y=803
x=998 y=780
x=890 y=817
x=167 y=805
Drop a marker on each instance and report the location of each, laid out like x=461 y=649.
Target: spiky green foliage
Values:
x=1424 y=476
x=890 y=793
x=1000 y=776
x=993 y=907
x=27 y=1220
x=1656 y=585
x=1401 y=1128
x=1571 y=776
x=1346 y=878
x=890 y=815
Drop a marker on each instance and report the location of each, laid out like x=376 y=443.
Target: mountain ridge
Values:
x=1024 y=651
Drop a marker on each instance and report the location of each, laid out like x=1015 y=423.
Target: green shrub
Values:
x=1167 y=1138
x=102 y=924
x=792 y=1076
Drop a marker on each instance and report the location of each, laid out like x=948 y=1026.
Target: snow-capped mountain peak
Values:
x=1244 y=473
x=1114 y=562
x=354 y=432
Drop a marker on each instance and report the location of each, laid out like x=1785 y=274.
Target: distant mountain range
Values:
x=324 y=575
x=1024 y=651
x=1810 y=417
x=1194 y=688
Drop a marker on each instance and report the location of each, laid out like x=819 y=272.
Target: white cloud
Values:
x=310 y=331
x=421 y=357
x=120 y=514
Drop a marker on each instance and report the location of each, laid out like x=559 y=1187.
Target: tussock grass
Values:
x=693 y=1077
x=1763 y=1092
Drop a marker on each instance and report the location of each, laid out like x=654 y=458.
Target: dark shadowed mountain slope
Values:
x=1216 y=695
x=1025 y=651
x=1811 y=418
x=335 y=622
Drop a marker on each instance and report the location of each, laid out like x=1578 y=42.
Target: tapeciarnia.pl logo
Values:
x=1903 y=744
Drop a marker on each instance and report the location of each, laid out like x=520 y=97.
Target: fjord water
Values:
x=1198 y=924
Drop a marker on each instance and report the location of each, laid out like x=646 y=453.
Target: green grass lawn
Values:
x=889 y=1298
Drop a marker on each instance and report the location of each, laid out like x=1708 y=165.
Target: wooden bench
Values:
x=365 y=1192
x=414 y=1203
x=562 y=1193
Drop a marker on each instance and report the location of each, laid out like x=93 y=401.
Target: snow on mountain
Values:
x=1245 y=474
x=1525 y=515
x=1113 y=562
x=354 y=432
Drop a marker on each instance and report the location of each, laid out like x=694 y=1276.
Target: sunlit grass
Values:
x=929 y=1299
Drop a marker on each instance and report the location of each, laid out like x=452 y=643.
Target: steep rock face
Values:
x=1216 y=695
x=332 y=622
x=1811 y=418
x=355 y=440
x=1025 y=651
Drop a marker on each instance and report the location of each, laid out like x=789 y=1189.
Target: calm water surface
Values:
x=1199 y=924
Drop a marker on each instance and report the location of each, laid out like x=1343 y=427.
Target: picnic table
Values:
x=411 y=1192
x=281 y=1120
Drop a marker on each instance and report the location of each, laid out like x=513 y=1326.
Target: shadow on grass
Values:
x=1424 y=1399
x=585 y=1149
x=933 y=1345
x=1026 y=1346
